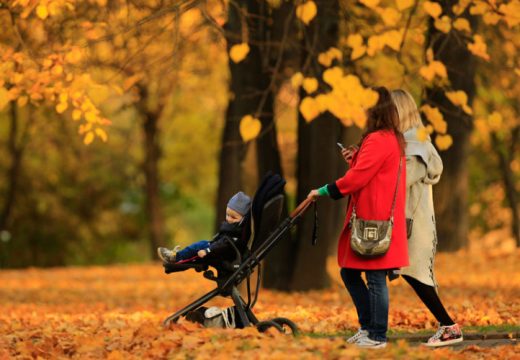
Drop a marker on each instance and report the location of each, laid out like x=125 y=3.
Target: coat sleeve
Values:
x=415 y=170
x=369 y=160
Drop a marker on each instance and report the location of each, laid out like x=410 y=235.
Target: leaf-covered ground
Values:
x=116 y=312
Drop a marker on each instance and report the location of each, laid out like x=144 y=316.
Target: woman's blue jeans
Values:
x=191 y=250
x=371 y=300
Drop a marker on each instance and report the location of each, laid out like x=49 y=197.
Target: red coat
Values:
x=372 y=179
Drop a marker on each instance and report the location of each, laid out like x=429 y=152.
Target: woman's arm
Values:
x=371 y=157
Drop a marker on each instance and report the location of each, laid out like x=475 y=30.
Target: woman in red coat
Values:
x=372 y=181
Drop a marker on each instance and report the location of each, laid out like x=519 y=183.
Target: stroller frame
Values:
x=230 y=275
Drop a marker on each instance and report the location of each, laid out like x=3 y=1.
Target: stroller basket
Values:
x=264 y=231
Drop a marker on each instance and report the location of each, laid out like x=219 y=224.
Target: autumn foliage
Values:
x=116 y=312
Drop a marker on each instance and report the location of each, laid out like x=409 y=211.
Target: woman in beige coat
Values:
x=423 y=169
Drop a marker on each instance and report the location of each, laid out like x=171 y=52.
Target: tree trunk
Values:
x=450 y=195
x=318 y=161
x=279 y=262
x=14 y=169
x=152 y=154
x=505 y=160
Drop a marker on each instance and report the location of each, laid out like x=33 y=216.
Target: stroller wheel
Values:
x=263 y=326
x=284 y=322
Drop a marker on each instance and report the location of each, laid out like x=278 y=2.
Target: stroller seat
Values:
x=262 y=230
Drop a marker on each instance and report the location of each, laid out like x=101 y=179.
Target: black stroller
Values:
x=261 y=233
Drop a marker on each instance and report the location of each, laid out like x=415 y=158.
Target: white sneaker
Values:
x=368 y=343
x=360 y=334
x=446 y=335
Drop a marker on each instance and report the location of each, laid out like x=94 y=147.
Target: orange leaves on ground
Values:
x=306 y=11
x=116 y=312
x=249 y=127
x=238 y=52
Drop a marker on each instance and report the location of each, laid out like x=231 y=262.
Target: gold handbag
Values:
x=371 y=238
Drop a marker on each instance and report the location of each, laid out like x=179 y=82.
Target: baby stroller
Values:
x=261 y=233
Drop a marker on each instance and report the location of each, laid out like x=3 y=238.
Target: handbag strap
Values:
x=395 y=193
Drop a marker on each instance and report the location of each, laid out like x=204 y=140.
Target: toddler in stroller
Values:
x=262 y=230
x=231 y=229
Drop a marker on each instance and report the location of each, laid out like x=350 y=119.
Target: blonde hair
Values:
x=407 y=109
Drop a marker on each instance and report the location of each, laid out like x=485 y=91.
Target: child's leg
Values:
x=191 y=250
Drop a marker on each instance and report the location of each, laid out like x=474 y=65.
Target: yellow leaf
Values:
x=491 y=18
x=427 y=72
x=238 y=52
x=371 y=4
x=392 y=39
x=325 y=59
x=22 y=101
x=443 y=24
x=306 y=12
x=296 y=80
x=323 y=102
x=61 y=107
x=76 y=114
x=390 y=16
x=102 y=134
x=478 y=47
x=443 y=142
x=435 y=117
x=90 y=116
x=439 y=69
x=309 y=108
x=88 y=138
x=64 y=97
x=459 y=98
x=333 y=75
x=249 y=128
x=432 y=8
x=510 y=11
x=358 y=52
x=403 y=4
x=375 y=44
x=517 y=71
x=42 y=12
x=355 y=41
x=462 y=24
x=310 y=85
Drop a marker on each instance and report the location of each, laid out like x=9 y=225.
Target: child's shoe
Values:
x=167 y=255
x=368 y=343
x=357 y=336
x=446 y=335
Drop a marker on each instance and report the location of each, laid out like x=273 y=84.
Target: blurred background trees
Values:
x=125 y=125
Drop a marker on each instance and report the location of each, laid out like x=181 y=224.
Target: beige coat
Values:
x=423 y=169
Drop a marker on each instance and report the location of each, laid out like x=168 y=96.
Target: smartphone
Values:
x=340 y=146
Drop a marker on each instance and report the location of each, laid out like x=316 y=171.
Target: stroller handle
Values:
x=301 y=207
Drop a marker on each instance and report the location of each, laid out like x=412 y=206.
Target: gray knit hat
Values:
x=240 y=202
